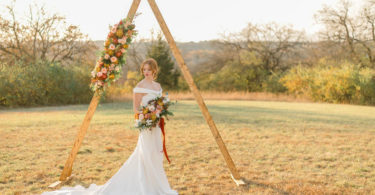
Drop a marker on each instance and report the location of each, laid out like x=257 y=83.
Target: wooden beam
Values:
x=67 y=171
x=196 y=92
x=60 y=183
x=133 y=10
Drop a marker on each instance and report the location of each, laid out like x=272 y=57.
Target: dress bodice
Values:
x=151 y=94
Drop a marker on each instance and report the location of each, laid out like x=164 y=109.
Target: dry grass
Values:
x=278 y=147
x=217 y=95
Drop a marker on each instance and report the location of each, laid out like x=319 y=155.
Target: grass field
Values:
x=278 y=147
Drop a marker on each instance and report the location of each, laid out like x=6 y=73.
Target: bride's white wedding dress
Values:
x=143 y=172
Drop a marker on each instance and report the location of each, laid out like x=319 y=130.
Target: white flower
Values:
x=166 y=100
x=136 y=124
x=117 y=68
x=151 y=108
x=157 y=114
x=141 y=116
x=149 y=122
x=93 y=73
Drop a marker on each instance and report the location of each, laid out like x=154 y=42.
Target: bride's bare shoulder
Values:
x=158 y=85
x=140 y=84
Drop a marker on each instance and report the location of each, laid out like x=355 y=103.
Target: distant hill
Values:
x=194 y=53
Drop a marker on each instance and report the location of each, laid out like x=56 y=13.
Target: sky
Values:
x=188 y=20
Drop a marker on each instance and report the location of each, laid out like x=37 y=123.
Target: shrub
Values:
x=44 y=83
x=329 y=82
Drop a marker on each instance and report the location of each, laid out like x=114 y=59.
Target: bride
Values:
x=143 y=173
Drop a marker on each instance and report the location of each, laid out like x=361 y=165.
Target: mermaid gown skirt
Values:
x=142 y=173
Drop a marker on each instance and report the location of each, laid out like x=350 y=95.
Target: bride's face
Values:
x=147 y=72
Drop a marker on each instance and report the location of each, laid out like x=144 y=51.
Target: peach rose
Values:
x=113 y=30
x=113 y=59
x=122 y=41
x=141 y=116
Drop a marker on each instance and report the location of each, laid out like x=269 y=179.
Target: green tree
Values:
x=168 y=74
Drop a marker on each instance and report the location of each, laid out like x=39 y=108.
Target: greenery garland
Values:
x=109 y=65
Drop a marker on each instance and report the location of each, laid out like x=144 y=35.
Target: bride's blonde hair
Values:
x=153 y=65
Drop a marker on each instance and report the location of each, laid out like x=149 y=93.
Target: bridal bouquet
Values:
x=151 y=114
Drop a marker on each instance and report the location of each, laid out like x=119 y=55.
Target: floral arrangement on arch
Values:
x=112 y=58
x=150 y=115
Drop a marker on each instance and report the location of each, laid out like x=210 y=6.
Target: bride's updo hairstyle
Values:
x=153 y=65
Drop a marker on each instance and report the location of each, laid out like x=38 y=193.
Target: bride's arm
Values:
x=137 y=97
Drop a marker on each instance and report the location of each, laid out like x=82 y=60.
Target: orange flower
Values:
x=125 y=46
x=110 y=52
x=107 y=43
x=118 y=54
x=145 y=111
x=119 y=33
x=153 y=116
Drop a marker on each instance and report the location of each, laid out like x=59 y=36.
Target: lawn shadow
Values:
x=249 y=183
x=261 y=115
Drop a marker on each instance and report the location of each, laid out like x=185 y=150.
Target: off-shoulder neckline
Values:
x=150 y=89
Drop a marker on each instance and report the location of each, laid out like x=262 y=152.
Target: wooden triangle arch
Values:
x=67 y=171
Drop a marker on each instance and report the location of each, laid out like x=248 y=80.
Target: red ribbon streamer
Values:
x=161 y=124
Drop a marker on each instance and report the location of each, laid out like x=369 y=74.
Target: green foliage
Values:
x=116 y=89
x=43 y=83
x=167 y=75
x=272 y=83
x=133 y=77
x=330 y=82
x=182 y=84
x=247 y=75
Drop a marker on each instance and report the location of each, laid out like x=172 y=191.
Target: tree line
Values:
x=45 y=61
x=338 y=67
